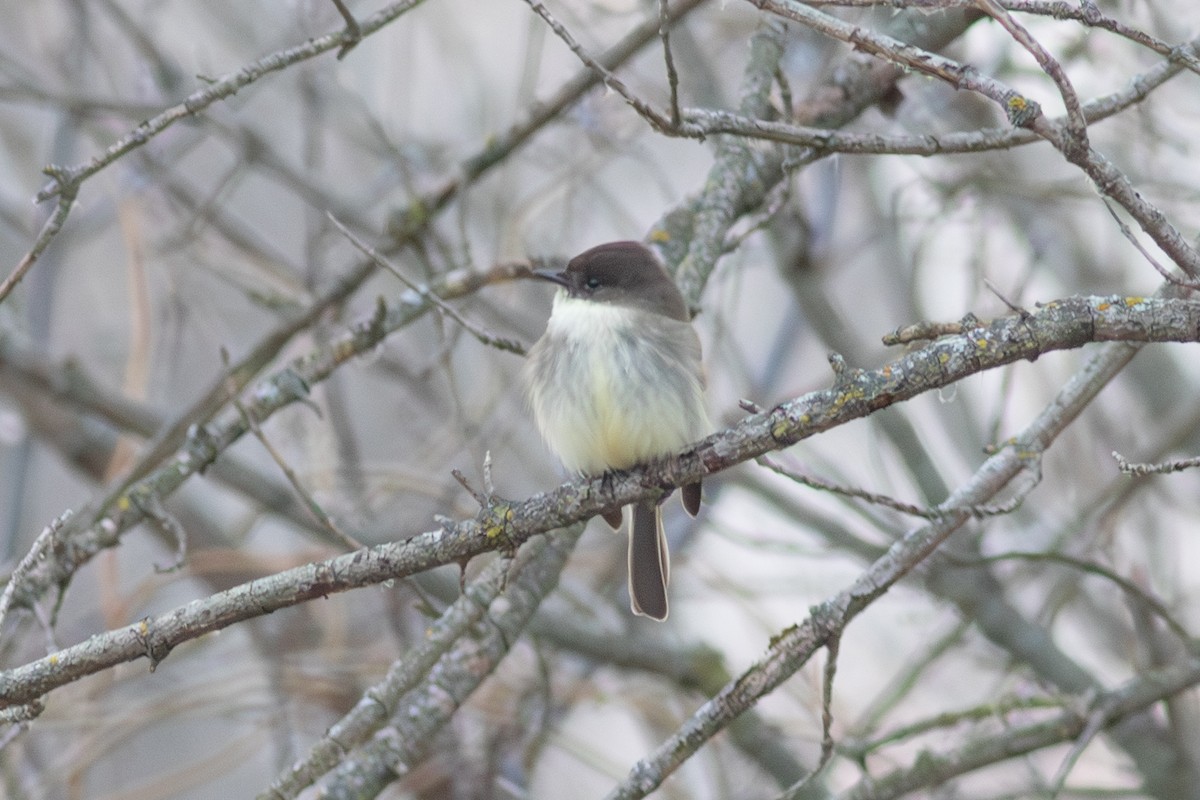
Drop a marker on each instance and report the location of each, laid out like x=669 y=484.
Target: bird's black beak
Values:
x=550 y=275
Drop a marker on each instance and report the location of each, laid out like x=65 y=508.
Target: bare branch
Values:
x=220 y=89
x=1058 y=325
x=1021 y=111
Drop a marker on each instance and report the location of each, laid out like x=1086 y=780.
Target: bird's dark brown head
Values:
x=624 y=274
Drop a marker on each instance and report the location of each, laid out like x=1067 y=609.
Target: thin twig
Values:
x=1086 y=13
x=1091 y=568
x=67 y=192
x=1076 y=124
x=1022 y=112
x=800 y=788
x=1097 y=720
x=310 y=504
x=664 y=22
x=219 y=89
x=151 y=505
x=354 y=32
x=1001 y=708
x=924 y=332
x=1159 y=268
x=654 y=117
x=499 y=342
x=937 y=512
x=489 y=486
x=37 y=551
x=1013 y=307
x=1138 y=470
x=479 y=497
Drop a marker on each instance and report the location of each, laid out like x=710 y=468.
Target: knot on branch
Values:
x=844 y=376
x=201 y=448
x=1020 y=109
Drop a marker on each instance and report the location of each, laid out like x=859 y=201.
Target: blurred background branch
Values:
x=1043 y=650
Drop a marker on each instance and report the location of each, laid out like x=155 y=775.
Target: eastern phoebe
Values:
x=616 y=380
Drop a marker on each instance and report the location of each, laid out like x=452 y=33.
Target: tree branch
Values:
x=1059 y=325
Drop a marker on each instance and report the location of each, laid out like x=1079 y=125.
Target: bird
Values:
x=616 y=380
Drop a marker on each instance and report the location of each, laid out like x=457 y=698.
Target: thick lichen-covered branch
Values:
x=1063 y=324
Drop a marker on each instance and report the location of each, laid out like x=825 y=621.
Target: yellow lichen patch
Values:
x=1134 y=301
x=124 y=503
x=943 y=357
x=659 y=235
x=982 y=344
x=848 y=395
x=498 y=520
x=1103 y=306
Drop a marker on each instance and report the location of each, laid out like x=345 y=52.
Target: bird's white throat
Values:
x=577 y=318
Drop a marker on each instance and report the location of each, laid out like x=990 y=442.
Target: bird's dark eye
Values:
x=593 y=283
